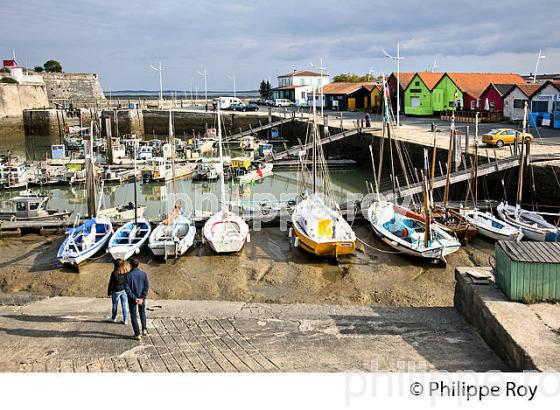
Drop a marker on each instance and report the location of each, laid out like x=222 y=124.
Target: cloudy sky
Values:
x=261 y=39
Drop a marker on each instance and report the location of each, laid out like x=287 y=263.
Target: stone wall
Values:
x=75 y=88
x=14 y=98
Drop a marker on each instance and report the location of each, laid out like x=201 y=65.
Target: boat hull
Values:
x=175 y=244
x=225 y=232
x=70 y=254
x=124 y=243
x=531 y=231
x=331 y=248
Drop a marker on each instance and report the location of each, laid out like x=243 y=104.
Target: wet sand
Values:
x=268 y=270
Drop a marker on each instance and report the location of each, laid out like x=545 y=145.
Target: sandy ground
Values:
x=268 y=270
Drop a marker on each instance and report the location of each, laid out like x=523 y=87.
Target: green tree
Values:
x=353 y=78
x=52 y=66
x=8 y=80
x=265 y=89
x=38 y=69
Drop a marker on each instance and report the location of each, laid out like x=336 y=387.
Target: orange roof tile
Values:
x=429 y=78
x=345 y=88
x=404 y=78
x=474 y=84
x=529 y=88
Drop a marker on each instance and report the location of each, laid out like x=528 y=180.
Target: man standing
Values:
x=136 y=286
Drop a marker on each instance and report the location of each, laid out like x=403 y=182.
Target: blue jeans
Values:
x=134 y=309
x=122 y=296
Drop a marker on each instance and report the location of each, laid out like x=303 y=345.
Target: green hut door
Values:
x=437 y=100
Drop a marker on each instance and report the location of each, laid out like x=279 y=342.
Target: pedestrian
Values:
x=136 y=286
x=116 y=290
x=368 y=120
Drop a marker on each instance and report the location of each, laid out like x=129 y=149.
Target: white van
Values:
x=225 y=102
x=283 y=102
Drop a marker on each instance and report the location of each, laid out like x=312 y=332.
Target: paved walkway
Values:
x=71 y=335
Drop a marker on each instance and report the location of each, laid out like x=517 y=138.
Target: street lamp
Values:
x=320 y=68
x=398 y=58
x=537 y=66
x=232 y=77
x=205 y=75
x=160 y=84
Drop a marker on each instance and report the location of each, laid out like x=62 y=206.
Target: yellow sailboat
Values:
x=317 y=224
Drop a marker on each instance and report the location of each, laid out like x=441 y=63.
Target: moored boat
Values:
x=84 y=241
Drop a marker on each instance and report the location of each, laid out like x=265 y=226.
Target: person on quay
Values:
x=116 y=290
x=368 y=120
x=136 y=286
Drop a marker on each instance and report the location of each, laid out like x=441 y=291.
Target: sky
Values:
x=258 y=40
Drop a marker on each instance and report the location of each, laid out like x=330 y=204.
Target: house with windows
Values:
x=376 y=95
x=469 y=88
x=514 y=100
x=404 y=78
x=543 y=102
x=492 y=99
x=298 y=85
x=348 y=96
x=418 y=93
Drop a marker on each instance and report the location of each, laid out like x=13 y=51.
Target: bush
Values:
x=8 y=80
x=38 y=69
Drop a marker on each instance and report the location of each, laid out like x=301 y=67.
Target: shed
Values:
x=529 y=271
x=492 y=99
x=347 y=96
x=418 y=93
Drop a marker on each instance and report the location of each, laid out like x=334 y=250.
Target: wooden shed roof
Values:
x=346 y=87
x=475 y=84
x=536 y=252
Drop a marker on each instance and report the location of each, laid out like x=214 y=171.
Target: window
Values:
x=33 y=206
x=21 y=206
x=518 y=103
x=415 y=90
x=417 y=83
x=473 y=104
x=302 y=81
x=415 y=102
x=303 y=95
x=539 y=106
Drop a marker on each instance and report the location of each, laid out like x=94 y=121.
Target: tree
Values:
x=353 y=78
x=8 y=80
x=265 y=89
x=52 y=66
x=38 y=69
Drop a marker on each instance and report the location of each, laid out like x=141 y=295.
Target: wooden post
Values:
x=108 y=135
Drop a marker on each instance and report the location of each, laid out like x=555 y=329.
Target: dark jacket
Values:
x=136 y=284
x=116 y=283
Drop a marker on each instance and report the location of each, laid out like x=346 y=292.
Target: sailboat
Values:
x=225 y=231
x=401 y=228
x=174 y=236
x=129 y=238
x=532 y=224
x=89 y=238
x=317 y=224
x=486 y=223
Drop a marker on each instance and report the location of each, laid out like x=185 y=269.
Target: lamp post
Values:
x=205 y=75
x=159 y=69
x=539 y=57
x=398 y=58
x=320 y=68
x=232 y=77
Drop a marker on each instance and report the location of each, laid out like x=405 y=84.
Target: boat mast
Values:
x=476 y=162
x=90 y=175
x=314 y=159
x=449 y=155
x=519 y=197
x=222 y=181
x=135 y=193
x=386 y=120
x=172 y=142
x=425 y=189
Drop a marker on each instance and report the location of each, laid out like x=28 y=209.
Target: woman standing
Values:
x=116 y=289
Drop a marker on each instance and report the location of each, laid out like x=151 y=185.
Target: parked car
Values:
x=504 y=136
x=245 y=107
x=283 y=102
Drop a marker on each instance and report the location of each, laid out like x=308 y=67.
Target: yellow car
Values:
x=504 y=136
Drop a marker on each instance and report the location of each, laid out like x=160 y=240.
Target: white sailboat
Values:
x=317 y=224
x=174 y=236
x=129 y=238
x=92 y=236
x=486 y=223
x=531 y=224
x=225 y=231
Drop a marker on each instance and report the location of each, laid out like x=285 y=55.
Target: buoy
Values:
x=296 y=241
x=290 y=232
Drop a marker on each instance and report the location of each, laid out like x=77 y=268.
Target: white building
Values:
x=542 y=100
x=297 y=85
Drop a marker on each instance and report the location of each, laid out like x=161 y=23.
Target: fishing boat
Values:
x=85 y=241
x=491 y=227
x=246 y=170
x=158 y=169
x=405 y=231
x=174 y=235
x=129 y=238
x=205 y=171
x=14 y=174
x=32 y=206
x=225 y=231
x=317 y=224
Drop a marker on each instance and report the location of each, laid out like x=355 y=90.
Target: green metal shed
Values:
x=529 y=271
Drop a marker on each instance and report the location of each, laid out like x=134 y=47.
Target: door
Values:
x=366 y=105
x=438 y=100
x=351 y=103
